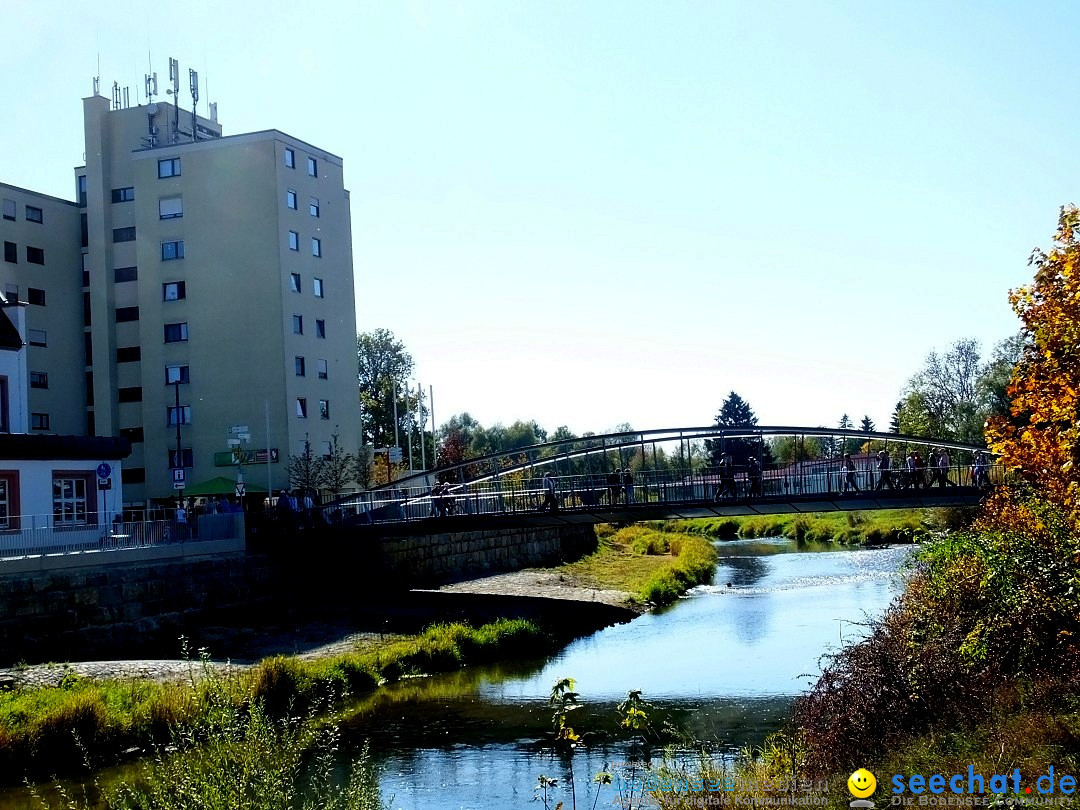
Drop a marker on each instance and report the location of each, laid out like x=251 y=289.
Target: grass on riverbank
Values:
x=655 y=566
x=850 y=528
x=49 y=730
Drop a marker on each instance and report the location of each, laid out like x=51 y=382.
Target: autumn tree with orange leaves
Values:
x=1040 y=440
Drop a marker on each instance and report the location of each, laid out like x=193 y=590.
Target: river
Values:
x=723 y=664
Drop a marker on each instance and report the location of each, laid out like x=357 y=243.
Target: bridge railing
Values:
x=586 y=492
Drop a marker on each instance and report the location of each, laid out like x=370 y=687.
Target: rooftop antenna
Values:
x=116 y=95
x=127 y=97
x=193 y=80
x=174 y=77
x=151 y=87
x=97 y=76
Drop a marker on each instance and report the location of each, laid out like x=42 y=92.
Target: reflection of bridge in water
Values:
x=671 y=480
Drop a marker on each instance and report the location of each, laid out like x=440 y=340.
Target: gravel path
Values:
x=539 y=582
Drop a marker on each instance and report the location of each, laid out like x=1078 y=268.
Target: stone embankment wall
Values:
x=437 y=558
x=109 y=609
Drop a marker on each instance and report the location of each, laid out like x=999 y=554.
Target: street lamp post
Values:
x=179 y=459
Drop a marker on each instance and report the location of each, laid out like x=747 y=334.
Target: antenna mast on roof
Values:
x=193 y=79
x=174 y=77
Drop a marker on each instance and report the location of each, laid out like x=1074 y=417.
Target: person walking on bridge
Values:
x=628 y=485
x=550 y=497
x=614 y=481
x=944 y=463
x=884 y=466
x=849 y=474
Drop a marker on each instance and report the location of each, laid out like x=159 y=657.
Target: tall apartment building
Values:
x=214 y=271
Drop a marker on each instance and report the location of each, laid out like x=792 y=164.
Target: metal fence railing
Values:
x=33 y=535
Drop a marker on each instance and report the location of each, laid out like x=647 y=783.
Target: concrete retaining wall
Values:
x=139 y=608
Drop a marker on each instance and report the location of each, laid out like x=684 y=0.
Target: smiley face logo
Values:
x=861 y=783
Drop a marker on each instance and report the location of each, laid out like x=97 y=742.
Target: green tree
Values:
x=948 y=387
x=307 y=470
x=340 y=467
x=384 y=367
x=993 y=385
x=735 y=412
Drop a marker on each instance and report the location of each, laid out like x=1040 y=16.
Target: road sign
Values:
x=236 y=430
x=239 y=489
x=179 y=476
x=103 y=470
x=395 y=455
x=105 y=483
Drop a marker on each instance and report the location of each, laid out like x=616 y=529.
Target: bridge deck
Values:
x=656 y=510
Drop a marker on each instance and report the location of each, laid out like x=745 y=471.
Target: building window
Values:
x=290 y=199
x=120 y=195
x=123 y=234
x=316 y=246
x=294 y=240
x=11 y=293
x=132 y=394
x=125 y=274
x=126 y=314
x=9 y=501
x=313 y=207
x=301 y=408
x=298 y=324
x=320 y=365
x=37 y=337
x=34 y=214
x=172 y=250
x=298 y=363
x=290 y=158
x=170 y=208
x=177 y=375
x=176 y=332
x=71 y=504
x=170 y=167
x=181 y=458
x=39 y=379
x=320 y=328
x=133 y=475
x=173 y=290
x=35 y=255
x=80 y=189
x=324 y=409
x=128 y=354
x=312 y=167
x=133 y=435
x=39 y=421
x=317 y=284
x=35 y=296
x=184 y=413
x=11 y=252
x=88 y=349
x=9 y=209
x=294 y=282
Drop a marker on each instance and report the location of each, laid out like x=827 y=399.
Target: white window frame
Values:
x=170 y=207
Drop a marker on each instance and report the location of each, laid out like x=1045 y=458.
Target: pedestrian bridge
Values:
x=671 y=477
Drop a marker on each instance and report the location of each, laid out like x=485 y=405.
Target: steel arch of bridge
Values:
x=500 y=483
x=548 y=454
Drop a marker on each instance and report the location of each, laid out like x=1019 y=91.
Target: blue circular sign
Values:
x=103 y=470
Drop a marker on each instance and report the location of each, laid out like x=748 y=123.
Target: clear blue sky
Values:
x=607 y=212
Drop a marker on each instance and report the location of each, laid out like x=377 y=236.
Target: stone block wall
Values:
x=445 y=557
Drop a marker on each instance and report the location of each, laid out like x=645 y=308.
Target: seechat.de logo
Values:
x=861 y=785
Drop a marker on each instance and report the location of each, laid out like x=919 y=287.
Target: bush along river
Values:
x=722 y=665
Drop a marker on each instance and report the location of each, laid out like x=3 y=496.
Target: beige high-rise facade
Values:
x=213 y=270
